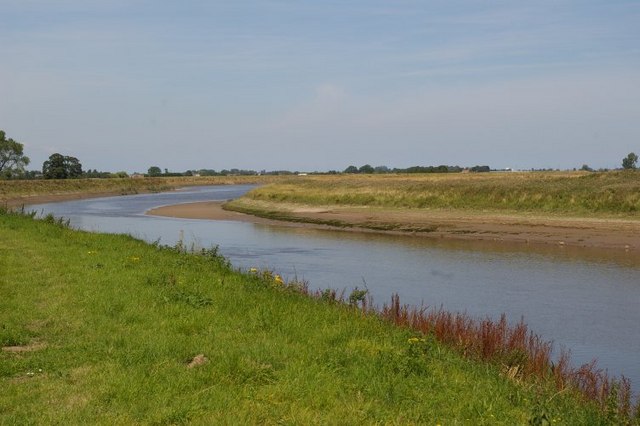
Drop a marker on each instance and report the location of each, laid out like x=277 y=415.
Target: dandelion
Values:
x=135 y=259
x=278 y=279
x=92 y=252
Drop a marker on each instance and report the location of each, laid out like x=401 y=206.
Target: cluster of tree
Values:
x=480 y=169
x=13 y=163
x=629 y=162
x=278 y=173
x=155 y=171
x=368 y=169
x=60 y=166
x=12 y=158
x=225 y=172
x=95 y=174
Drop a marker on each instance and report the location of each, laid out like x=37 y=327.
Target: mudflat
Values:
x=207 y=210
x=605 y=233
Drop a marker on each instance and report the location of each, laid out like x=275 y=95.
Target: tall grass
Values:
x=577 y=193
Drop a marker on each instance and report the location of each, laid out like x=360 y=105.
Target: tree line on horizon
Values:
x=13 y=163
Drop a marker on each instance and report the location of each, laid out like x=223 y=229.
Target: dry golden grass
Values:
x=576 y=193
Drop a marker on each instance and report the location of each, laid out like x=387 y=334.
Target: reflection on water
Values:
x=585 y=300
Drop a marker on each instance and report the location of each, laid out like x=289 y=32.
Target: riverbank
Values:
x=596 y=210
x=101 y=328
x=603 y=233
x=16 y=193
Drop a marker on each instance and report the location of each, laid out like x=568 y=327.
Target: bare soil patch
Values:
x=197 y=360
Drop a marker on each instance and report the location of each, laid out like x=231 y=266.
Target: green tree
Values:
x=367 y=168
x=480 y=169
x=154 y=171
x=629 y=162
x=351 y=169
x=59 y=166
x=73 y=167
x=12 y=159
x=54 y=168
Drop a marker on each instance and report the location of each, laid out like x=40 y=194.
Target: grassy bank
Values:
x=107 y=329
x=16 y=192
x=577 y=194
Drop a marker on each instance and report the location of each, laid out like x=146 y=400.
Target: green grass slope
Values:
x=101 y=329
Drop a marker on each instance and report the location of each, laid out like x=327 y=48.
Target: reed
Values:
x=519 y=352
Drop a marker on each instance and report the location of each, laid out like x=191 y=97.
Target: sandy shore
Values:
x=619 y=234
x=208 y=210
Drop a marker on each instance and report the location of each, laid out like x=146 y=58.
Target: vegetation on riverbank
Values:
x=17 y=192
x=579 y=194
x=108 y=329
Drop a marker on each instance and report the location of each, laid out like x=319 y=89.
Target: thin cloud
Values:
x=303 y=84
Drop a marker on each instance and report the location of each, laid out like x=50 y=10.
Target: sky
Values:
x=320 y=85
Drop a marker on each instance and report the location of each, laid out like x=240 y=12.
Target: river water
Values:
x=587 y=301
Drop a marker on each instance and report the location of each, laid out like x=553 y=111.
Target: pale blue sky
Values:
x=319 y=85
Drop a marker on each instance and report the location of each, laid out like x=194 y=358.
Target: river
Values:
x=587 y=301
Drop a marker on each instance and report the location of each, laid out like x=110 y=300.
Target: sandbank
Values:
x=603 y=233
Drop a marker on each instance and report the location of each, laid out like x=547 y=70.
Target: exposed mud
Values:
x=606 y=233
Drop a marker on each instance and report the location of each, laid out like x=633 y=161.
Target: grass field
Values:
x=563 y=193
x=105 y=329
